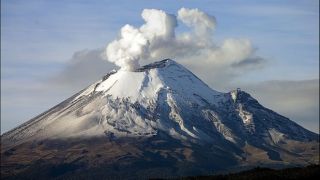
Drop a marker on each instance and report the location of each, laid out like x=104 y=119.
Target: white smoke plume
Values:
x=156 y=39
x=202 y=23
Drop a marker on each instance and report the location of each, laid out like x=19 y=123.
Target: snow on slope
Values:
x=162 y=96
x=139 y=86
x=114 y=105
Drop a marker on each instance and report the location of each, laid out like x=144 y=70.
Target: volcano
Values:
x=157 y=121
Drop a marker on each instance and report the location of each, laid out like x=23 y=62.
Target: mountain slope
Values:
x=160 y=118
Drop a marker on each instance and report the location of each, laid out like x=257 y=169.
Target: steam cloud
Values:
x=156 y=39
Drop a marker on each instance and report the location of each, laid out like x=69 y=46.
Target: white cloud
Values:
x=156 y=39
x=203 y=24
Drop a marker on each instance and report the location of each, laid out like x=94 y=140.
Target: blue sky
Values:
x=39 y=39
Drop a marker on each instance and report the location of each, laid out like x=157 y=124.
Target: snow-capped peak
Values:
x=157 y=113
x=147 y=81
x=159 y=97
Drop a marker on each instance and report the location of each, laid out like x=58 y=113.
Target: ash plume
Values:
x=157 y=39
